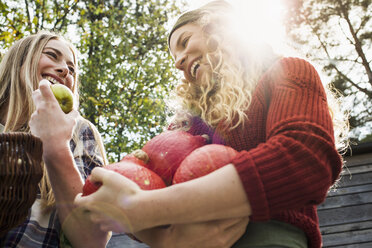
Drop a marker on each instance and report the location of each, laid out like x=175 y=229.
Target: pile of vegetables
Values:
x=171 y=157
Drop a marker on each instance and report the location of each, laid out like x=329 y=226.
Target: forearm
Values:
x=219 y=195
x=66 y=184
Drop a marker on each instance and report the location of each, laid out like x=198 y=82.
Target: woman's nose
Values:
x=62 y=70
x=180 y=62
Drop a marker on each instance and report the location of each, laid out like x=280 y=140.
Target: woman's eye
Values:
x=52 y=54
x=184 y=41
x=72 y=70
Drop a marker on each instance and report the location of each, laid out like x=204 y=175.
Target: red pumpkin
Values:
x=145 y=178
x=167 y=150
x=203 y=161
x=90 y=187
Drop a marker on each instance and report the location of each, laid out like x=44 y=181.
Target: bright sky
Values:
x=261 y=19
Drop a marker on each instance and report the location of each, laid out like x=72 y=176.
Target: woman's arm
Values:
x=66 y=184
x=55 y=130
x=218 y=195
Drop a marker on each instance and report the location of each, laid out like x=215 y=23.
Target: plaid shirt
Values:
x=44 y=229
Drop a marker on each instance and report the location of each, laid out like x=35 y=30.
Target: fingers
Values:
x=33 y=127
x=81 y=201
x=112 y=179
x=43 y=93
x=44 y=87
x=94 y=213
x=108 y=216
x=99 y=175
x=36 y=96
x=88 y=204
x=96 y=217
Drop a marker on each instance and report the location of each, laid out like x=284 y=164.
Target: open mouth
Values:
x=51 y=80
x=195 y=66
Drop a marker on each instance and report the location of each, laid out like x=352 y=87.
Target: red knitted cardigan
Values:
x=287 y=158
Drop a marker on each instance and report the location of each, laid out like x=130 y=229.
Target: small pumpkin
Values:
x=145 y=178
x=167 y=150
x=90 y=187
x=203 y=161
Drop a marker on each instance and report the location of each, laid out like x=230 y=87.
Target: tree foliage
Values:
x=337 y=34
x=20 y=18
x=125 y=67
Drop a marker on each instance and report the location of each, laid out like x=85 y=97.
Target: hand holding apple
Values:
x=48 y=122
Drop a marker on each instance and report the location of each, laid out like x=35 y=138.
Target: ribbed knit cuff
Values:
x=253 y=186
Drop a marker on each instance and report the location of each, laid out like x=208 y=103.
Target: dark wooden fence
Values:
x=346 y=215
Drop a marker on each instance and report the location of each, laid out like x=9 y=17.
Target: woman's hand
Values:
x=49 y=122
x=216 y=234
x=110 y=205
x=120 y=205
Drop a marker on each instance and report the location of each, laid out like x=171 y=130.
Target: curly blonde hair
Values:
x=225 y=93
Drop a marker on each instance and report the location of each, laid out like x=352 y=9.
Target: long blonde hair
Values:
x=18 y=77
x=225 y=93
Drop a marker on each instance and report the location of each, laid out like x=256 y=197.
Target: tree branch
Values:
x=62 y=19
x=365 y=91
x=28 y=15
x=357 y=43
x=323 y=45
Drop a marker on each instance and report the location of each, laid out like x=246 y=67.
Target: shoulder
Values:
x=85 y=129
x=294 y=73
x=87 y=140
x=294 y=68
x=85 y=135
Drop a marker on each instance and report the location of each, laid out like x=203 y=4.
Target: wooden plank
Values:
x=356 y=179
x=350 y=171
x=358 y=159
x=345 y=217
x=350 y=190
x=350 y=214
x=347 y=238
x=346 y=200
x=356 y=245
x=328 y=229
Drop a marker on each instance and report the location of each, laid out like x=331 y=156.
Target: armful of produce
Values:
x=171 y=157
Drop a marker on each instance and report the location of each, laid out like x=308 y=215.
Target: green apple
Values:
x=64 y=96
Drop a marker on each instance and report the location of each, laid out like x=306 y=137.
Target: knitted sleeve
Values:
x=298 y=162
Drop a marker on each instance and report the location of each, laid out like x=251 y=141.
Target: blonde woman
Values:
x=274 y=110
x=34 y=58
